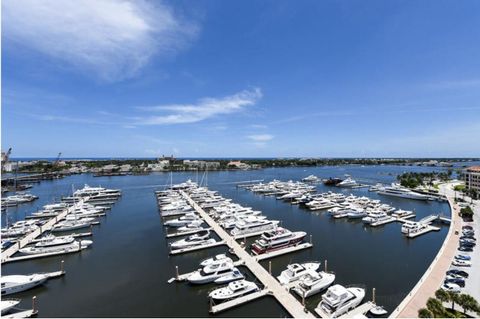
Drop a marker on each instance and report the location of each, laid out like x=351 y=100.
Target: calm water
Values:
x=126 y=270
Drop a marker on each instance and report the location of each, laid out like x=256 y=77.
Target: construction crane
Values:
x=5 y=158
x=57 y=160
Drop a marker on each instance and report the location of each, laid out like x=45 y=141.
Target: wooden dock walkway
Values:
x=239 y=301
x=282 y=295
x=27 y=239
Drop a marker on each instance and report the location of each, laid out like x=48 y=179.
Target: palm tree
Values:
x=425 y=313
x=453 y=297
x=436 y=307
x=442 y=295
x=468 y=303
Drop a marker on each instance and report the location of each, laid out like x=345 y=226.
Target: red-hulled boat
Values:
x=277 y=239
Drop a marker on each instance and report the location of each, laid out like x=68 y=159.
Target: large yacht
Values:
x=412 y=227
x=348 y=182
x=338 y=300
x=400 y=191
x=296 y=271
x=374 y=217
x=234 y=289
x=313 y=282
x=277 y=239
x=253 y=225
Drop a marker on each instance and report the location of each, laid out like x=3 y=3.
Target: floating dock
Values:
x=239 y=301
x=287 y=300
x=427 y=229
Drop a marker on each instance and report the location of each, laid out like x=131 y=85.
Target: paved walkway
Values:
x=435 y=274
x=292 y=305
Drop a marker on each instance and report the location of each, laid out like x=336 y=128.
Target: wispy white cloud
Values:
x=261 y=137
x=258 y=126
x=205 y=108
x=112 y=39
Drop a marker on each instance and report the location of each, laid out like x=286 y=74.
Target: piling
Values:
x=176 y=272
x=62 y=266
x=373 y=295
x=270 y=267
x=34 y=303
x=326 y=264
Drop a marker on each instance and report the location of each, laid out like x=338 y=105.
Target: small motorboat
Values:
x=215 y=259
x=234 y=289
x=202 y=238
x=296 y=271
x=378 y=311
x=17 y=283
x=7 y=304
x=235 y=275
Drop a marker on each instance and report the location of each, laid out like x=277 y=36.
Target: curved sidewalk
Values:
x=435 y=274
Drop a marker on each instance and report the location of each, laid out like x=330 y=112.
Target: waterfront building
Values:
x=471 y=176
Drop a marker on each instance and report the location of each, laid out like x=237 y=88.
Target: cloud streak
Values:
x=261 y=137
x=112 y=39
x=204 y=109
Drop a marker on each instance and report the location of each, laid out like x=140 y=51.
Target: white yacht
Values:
x=17 y=283
x=296 y=271
x=311 y=179
x=234 y=289
x=253 y=225
x=235 y=275
x=410 y=227
x=375 y=217
x=357 y=213
x=201 y=277
x=216 y=259
x=8 y=304
x=202 y=238
x=313 y=282
x=277 y=239
x=68 y=225
x=66 y=247
x=348 y=182
x=51 y=240
x=182 y=221
x=397 y=190
x=338 y=300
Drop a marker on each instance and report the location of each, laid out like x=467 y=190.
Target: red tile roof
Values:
x=473 y=169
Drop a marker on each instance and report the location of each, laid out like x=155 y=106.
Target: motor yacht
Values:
x=67 y=225
x=182 y=221
x=17 y=283
x=375 y=217
x=235 y=275
x=357 y=213
x=234 y=289
x=397 y=190
x=313 y=282
x=51 y=240
x=66 y=247
x=311 y=179
x=348 y=182
x=253 y=225
x=216 y=259
x=201 y=277
x=8 y=304
x=296 y=271
x=410 y=227
x=338 y=300
x=202 y=238
x=277 y=239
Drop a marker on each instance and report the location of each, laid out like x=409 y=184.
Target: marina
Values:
x=289 y=215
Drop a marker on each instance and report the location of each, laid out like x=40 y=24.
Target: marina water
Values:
x=125 y=272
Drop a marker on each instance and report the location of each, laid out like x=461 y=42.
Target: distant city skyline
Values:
x=241 y=79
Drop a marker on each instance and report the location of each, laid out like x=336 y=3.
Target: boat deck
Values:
x=200 y=247
x=288 y=301
x=360 y=310
x=283 y=251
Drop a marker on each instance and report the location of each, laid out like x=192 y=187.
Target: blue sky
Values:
x=241 y=78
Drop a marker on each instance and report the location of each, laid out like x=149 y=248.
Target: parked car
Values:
x=465 y=248
x=463 y=257
x=458 y=272
x=457 y=281
x=451 y=287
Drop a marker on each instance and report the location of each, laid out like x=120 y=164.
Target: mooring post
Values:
x=62 y=266
x=270 y=267
x=311 y=239
x=326 y=264
x=211 y=304
x=373 y=295
x=34 y=303
x=176 y=272
x=303 y=298
x=79 y=245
